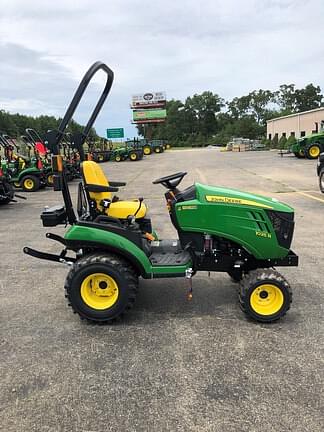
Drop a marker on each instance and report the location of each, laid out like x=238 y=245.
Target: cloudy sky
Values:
x=182 y=47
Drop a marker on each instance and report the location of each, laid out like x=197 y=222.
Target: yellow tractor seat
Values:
x=96 y=186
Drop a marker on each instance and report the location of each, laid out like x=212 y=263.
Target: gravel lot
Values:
x=169 y=365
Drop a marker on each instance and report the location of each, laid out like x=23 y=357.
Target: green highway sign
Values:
x=115 y=133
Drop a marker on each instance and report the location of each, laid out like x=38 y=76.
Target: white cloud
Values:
x=182 y=47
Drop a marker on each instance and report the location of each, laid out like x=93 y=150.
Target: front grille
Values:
x=283 y=225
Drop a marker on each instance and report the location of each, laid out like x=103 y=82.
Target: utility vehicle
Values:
x=111 y=243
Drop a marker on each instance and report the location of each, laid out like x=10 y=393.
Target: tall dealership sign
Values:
x=148 y=108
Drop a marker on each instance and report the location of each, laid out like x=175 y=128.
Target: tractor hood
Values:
x=213 y=194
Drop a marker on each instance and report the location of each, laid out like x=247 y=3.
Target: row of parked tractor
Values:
x=132 y=150
x=25 y=163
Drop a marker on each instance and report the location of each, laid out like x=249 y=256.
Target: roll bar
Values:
x=53 y=138
x=33 y=136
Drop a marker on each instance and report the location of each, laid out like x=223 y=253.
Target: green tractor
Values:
x=131 y=151
x=310 y=146
x=25 y=171
x=6 y=189
x=110 y=243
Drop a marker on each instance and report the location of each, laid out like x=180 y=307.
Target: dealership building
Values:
x=297 y=125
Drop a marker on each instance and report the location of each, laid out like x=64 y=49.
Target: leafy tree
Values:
x=282 y=142
x=292 y=100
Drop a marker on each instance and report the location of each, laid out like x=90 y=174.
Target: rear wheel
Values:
x=147 y=150
x=101 y=157
x=157 y=149
x=30 y=183
x=265 y=295
x=321 y=180
x=168 y=146
x=133 y=156
x=101 y=287
x=312 y=151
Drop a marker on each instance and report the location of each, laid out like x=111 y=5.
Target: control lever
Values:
x=140 y=205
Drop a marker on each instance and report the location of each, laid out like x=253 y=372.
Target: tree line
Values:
x=15 y=124
x=207 y=118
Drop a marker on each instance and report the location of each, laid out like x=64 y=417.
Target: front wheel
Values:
x=49 y=180
x=118 y=158
x=265 y=295
x=6 y=192
x=321 y=180
x=101 y=287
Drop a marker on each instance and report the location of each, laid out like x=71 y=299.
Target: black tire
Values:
x=7 y=190
x=255 y=283
x=158 y=149
x=30 y=183
x=101 y=157
x=299 y=154
x=321 y=180
x=147 y=150
x=312 y=151
x=118 y=158
x=133 y=156
x=49 y=179
x=235 y=275
x=112 y=266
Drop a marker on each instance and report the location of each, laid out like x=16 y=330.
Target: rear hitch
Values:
x=189 y=274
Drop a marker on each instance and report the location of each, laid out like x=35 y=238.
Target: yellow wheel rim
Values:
x=50 y=179
x=301 y=153
x=168 y=146
x=117 y=158
x=100 y=157
x=314 y=151
x=147 y=150
x=157 y=150
x=29 y=184
x=17 y=184
x=266 y=299
x=133 y=156
x=99 y=291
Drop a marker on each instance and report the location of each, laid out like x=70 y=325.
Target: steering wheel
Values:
x=170 y=181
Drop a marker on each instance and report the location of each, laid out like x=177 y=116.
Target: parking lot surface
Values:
x=170 y=365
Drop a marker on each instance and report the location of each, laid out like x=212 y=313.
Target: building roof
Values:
x=296 y=114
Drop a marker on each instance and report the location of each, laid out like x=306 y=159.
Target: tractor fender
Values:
x=79 y=237
x=29 y=171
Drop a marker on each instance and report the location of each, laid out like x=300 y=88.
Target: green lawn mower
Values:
x=110 y=243
x=310 y=146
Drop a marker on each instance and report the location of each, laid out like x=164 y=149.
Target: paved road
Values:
x=170 y=365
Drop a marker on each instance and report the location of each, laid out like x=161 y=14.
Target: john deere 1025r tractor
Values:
x=111 y=243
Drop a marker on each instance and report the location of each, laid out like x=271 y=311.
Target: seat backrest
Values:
x=93 y=174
